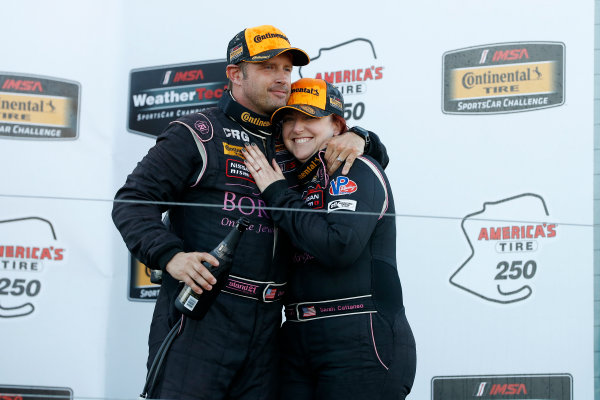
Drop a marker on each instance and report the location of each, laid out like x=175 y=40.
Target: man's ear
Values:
x=234 y=73
x=340 y=124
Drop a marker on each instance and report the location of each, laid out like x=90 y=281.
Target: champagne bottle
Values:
x=196 y=305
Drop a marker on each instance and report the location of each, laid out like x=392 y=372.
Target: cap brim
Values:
x=299 y=57
x=303 y=108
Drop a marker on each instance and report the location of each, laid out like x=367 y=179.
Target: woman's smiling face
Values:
x=303 y=135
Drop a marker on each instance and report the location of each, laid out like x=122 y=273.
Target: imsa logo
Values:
x=37 y=107
x=14 y=392
x=503 y=78
x=501 y=387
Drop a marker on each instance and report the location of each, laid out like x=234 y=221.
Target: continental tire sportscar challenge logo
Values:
x=503 y=78
x=140 y=286
x=159 y=95
x=35 y=107
x=506 y=255
x=29 y=250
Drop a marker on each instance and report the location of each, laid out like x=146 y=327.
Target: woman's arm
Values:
x=337 y=233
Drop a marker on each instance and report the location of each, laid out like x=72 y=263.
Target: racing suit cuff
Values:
x=271 y=191
x=164 y=259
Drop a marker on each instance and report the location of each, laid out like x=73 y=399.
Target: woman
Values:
x=346 y=335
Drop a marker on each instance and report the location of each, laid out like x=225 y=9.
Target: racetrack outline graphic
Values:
x=526 y=289
x=312 y=59
x=26 y=308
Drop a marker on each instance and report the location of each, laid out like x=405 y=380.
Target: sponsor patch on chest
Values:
x=313 y=197
x=237 y=169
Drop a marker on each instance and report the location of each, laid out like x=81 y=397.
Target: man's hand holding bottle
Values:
x=188 y=268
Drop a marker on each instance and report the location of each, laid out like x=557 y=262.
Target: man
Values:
x=231 y=352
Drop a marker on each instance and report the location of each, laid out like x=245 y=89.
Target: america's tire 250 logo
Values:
x=504 y=260
x=360 y=71
x=29 y=249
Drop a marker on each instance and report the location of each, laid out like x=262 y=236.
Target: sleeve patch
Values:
x=203 y=128
x=342 y=185
x=349 y=205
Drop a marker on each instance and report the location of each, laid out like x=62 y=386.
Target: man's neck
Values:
x=245 y=116
x=241 y=100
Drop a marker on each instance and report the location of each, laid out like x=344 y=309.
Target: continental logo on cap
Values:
x=260 y=38
x=236 y=52
x=308 y=109
x=336 y=103
x=232 y=150
x=312 y=91
x=246 y=117
x=260 y=57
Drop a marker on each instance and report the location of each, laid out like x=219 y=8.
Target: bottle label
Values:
x=190 y=303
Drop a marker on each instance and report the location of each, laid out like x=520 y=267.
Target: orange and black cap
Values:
x=313 y=97
x=262 y=43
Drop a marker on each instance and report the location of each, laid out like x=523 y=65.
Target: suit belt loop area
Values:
x=266 y=292
x=308 y=311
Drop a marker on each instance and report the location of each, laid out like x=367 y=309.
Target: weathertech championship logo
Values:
x=159 y=95
x=538 y=387
x=505 y=256
x=360 y=70
x=28 y=251
x=35 y=107
x=502 y=78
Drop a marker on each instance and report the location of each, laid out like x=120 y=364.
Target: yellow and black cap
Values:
x=262 y=43
x=313 y=97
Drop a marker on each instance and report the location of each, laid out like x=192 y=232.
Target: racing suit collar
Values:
x=250 y=120
x=314 y=169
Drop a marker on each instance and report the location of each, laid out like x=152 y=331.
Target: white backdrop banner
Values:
x=486 y=111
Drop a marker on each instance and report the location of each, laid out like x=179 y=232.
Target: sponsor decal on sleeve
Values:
x=342 y=185
x=203 y=128
x=348 y=205
x=35 y=107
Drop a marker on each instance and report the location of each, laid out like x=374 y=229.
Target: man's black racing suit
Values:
x=231 y=353
x=346 y=335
